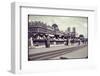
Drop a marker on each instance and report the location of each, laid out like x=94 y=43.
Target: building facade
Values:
x=42 y=34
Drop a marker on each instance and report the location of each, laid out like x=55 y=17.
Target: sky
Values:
x=63 y=22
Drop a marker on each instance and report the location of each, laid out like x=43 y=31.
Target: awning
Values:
x=51 y=35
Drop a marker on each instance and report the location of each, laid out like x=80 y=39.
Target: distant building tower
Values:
x=68 y=33
x=74 y=29
x=73 y=34
x=55 y=27
x=68 y=29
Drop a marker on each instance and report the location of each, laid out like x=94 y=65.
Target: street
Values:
x=80 y=53
x=61 y=52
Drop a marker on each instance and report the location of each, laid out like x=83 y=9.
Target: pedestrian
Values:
x=78 y=41
x=47 y=42
x=67 y=42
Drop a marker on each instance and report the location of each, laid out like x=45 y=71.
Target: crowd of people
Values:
x=47 y=41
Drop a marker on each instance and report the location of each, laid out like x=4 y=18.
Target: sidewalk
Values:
x=52 y=48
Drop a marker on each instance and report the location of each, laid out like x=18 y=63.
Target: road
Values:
x=76 y=54
x=57 y=54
